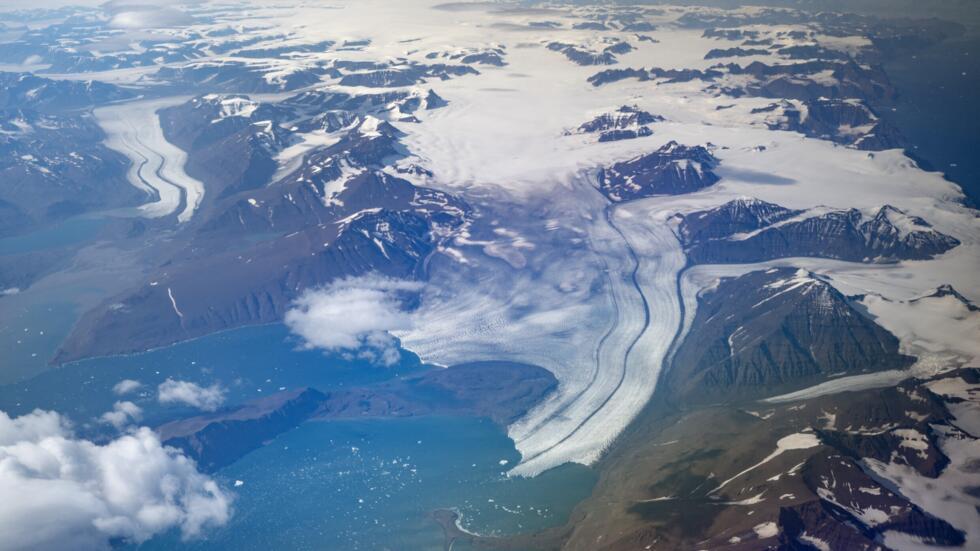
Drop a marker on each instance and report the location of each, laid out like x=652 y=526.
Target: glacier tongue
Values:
x=605 y=346
x=134 y=130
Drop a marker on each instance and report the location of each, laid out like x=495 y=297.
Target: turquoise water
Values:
x=372 y=485
x=247 y=363
x=353 y=484
x=33 y=322
x=30 y=332
x=73 y=231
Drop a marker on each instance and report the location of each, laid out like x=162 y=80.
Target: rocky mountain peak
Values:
x=748 y=231
x=947 y=290
x=775 y=330
x=670 y=170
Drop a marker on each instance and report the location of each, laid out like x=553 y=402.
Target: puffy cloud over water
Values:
x=191 y=394
x=122 y=414
x=354 y=316
x=126 y=386
x=65 y=492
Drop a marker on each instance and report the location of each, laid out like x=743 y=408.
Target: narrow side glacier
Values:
x=133 y=129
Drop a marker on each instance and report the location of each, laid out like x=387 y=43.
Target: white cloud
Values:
x=122 y=414
x=126 y=386
x=191 y=394
x=146 y=17
x=354 y=315
x=69 y=493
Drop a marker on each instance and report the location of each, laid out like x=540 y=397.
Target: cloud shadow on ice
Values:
x=753 y=176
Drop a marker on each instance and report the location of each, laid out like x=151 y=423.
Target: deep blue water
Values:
x=939 y=109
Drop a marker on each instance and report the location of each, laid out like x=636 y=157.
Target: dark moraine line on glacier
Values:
x=622 y=374
x=596 y=354
x=680 y=334
x=151 y=191
x=595 y=367
x=158 y=172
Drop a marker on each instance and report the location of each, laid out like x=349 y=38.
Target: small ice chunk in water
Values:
x=503 y=462
x=239 y=483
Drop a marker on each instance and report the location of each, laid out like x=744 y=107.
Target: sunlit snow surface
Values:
x=550 y=273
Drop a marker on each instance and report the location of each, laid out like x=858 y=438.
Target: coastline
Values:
x=936 y=117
